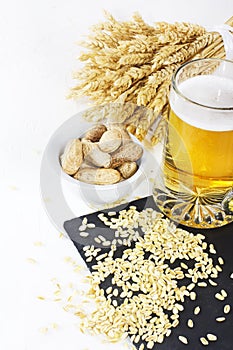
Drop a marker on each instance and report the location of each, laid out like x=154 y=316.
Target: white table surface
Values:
x=38 y=50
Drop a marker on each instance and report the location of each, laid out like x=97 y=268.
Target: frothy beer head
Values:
x=205 y=102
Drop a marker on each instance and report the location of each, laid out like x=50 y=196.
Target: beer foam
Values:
x=209 y=90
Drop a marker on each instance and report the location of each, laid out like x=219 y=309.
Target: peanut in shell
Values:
x=72 y=157
x=98 y=176
x=110 y=141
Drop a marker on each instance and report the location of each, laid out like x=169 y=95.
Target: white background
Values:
x=37 y=57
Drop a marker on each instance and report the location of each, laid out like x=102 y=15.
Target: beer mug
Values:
x=195 y=186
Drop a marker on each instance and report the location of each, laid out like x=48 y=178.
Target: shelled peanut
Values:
x=104 y=155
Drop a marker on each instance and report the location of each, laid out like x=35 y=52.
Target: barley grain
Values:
x=218 y=268
x=227 y=309
x=204 y=341
x=89 y=259
x=219 y=296
x=193 y=296
x=31 y=261
x=220 y=260
x=150 y=344
x=84 y=221
x=191 y=286
x=214 y=284
x=44 y=330
x=134 y=278
x=83 y=234
x=106 y=243
x=220 y=319
x=202 y=284
x=184 y=266
x=115 y=292
x=183 y=339
x=197 y=310
x=224 y=293
x=111 y=213
x=136 y=339
x=211 y=337
x=190 y=323
x=102 y=238
x=114 y=303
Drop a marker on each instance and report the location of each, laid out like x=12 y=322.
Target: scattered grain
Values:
x=183 y=339
x=91 y=225
x=211 y=337
x=84 y=221
x=101 y=256
x=204 y=341
x=191 y=286
x=220 y=319
x=111 y=213
x=44 y=330
x=106 y=243
x=38 y=244
x=89 y=259
x=227 y=309
x=193 y=296
x=218 y=268
x=224 y=293
x=102 y=238
x=197 y=310
x=150 y=344
x=214 y=284
x=109 y=290
x=219 y=296
x=184 y=266
x=212 y=249
x=114 y=303
x=31 y=261
x=115 y=292
x=179 y=307
x=220 y=260
x=84 y=234
x=82 y=228
x=202 y=284
x=144 y=283
x=190 y=323
x=136 y=339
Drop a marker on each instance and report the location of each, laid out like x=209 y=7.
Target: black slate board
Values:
x=211 y=308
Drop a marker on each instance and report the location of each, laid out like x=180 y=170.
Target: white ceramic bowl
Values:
x=75 y=127
x=107 y=193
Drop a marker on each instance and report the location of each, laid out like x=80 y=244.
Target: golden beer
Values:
x=198 y=154
x=207 y=154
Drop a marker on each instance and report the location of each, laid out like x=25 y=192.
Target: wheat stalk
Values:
x=133 y=62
